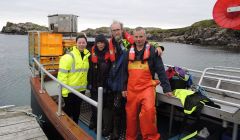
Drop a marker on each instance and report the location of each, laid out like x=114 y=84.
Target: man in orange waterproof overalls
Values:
x=142 y=65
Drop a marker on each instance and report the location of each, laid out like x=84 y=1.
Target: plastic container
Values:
x=68 y=43
x=50 y=63
x=48 y=44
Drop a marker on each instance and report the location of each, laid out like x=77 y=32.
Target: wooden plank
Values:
x=18 y=127
x=35 y=134
x=15 y=124
x=16 y=120
x=14 y=111
x=40 y=138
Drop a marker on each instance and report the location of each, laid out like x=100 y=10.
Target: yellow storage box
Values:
x=51 y=62
x=48 y=44
x=68 y=43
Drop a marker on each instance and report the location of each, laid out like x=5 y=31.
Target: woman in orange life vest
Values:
x=143 y=63
x=97 y=77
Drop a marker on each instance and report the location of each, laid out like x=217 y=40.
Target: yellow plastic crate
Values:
x=68 y=43
x=50 y=63
x=50 y=44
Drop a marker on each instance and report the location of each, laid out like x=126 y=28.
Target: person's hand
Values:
x=124 y=94
x=169 y=94
x=159 y=51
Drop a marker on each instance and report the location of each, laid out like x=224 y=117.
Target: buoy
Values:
x=226 y=13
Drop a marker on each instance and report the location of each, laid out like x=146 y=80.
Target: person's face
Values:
x=139 y=38
x=100 y=46
x=81 y=44
x=116 y=31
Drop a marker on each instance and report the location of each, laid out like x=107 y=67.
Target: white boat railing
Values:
x=219 y=80
x=217 y=88
x=227 y=67
x=98 y=104
x=217 y=75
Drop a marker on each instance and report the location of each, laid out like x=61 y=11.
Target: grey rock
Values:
x=22 y=28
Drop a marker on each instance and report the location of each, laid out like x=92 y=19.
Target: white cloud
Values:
x=97 y=13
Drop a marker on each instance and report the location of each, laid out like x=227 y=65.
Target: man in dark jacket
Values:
x=119 y=44
x=143 y=63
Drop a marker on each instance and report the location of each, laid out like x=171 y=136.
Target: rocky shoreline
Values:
x=21 y=28
x=207 y=36
x=204 y=32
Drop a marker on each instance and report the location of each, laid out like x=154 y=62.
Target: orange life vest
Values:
x=145 y=55
x=94 y=57
x=127 y=36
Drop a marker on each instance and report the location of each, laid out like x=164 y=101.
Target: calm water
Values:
x=14 y=72
x=199 y=57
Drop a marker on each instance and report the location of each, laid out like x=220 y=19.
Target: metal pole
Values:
x=39 y=47
x=171 y=121
x=201 y=78
x=235 y=131
x=59 y=112
x=33 y=70
x=42 y=80
x=219 y=83
x=99 y=113
x=84 y=97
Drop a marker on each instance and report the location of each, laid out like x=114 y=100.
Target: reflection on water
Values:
x=14 y=72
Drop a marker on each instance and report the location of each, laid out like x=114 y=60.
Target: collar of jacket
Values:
x=85 y=51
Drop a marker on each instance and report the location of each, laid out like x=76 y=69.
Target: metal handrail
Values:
x=222 y=79
x=218 y=84
x=98 y=104
x=227 y=67
x=218 y=68
x=210 y=73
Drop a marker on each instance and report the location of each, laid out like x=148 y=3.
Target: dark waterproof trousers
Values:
x=119 y=115
x=107 y=110
x=72 y=106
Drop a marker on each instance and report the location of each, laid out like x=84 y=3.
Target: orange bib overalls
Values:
x=141 y=102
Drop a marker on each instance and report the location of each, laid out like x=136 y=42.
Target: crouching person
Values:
x=143 y=63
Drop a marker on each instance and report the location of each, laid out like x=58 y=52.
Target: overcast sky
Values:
x=97 y=13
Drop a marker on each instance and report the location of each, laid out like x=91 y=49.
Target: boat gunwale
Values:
x=64 y=124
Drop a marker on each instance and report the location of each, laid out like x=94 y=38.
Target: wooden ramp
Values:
x=19 y=123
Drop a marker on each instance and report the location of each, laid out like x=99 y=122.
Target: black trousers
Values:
x=72 y=106
x=119 y=113
x=107 y=108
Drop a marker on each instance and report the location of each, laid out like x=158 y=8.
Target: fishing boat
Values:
x=220 y=91
x=222 y=84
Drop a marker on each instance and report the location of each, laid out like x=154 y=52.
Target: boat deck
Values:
x=223 y=89
x=18 y=122
x=85 y=115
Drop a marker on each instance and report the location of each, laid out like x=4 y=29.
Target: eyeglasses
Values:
x=116 y=30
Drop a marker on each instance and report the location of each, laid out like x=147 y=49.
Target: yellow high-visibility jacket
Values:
x=73 y=70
